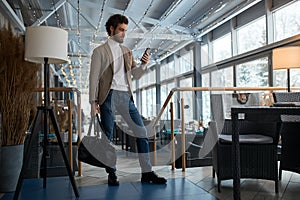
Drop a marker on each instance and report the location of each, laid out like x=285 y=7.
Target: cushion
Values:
x=248 y=139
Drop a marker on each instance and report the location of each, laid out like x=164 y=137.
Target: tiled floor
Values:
x=59 y=188
x=251 y=189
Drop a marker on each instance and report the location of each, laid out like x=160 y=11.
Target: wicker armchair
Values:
x=286 y=96
x=258 y=146
x=290 y=137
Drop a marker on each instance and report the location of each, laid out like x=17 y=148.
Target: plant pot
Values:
x=11 y=160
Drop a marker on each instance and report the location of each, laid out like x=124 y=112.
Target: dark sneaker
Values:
x=113 y=179
x=151 y=177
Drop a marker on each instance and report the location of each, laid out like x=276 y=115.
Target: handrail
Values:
x=180 y=89
x=58 y=89
x=182 y=101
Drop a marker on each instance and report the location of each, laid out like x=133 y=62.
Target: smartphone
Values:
x=146 y=51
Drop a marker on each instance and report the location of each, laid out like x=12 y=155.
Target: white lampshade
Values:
x=46 y=42
x=286 y=57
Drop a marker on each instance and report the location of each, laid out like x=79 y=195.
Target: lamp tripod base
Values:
x=35 y=133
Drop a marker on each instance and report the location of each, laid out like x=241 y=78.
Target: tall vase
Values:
x=11 y=160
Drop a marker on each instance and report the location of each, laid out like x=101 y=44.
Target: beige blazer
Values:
x=102 y=71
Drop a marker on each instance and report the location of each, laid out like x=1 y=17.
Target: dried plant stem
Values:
x=18 y=78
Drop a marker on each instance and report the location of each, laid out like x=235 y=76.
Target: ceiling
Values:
x=163 y=25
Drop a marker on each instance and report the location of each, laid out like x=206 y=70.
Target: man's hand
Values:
x=145 y=59
x=95 y=108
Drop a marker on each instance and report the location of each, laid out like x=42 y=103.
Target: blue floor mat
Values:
x=61 y=189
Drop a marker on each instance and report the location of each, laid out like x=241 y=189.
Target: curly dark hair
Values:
x=114 y=20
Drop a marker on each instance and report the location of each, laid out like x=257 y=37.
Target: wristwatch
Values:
x=93 y=101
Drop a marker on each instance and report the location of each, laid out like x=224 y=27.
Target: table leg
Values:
x=236 y=157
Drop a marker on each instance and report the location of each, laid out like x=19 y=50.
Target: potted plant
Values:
x=18 y=79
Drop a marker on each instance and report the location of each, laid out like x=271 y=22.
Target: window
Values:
x=163 y=72
x=188 y=98
x=287 y=21
x=143 y=81
x=280 y=78
x=222 y=78
x=286 y=24
x=252 y=35
x=206 y=100
x=165 y=90
x=252 y=74
x=148 y=78
x=186 y=62
x=149 y=102
x=178 y=65
x=205 y=80
x=204 y=55
x=168 y=70
x=222 y=48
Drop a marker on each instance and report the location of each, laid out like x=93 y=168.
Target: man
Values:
x=112 y=66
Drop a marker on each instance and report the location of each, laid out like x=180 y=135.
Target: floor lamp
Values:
x=286 y=58
x=45 y=44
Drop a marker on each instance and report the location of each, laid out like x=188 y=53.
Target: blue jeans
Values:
x=120 y=102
